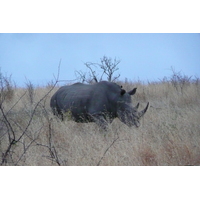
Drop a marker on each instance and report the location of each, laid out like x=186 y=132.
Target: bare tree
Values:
x=109 y=67
x=14 y=133
x=97 y=71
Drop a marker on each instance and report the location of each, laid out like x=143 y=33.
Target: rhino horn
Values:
x=141 y=113
x=137 y=106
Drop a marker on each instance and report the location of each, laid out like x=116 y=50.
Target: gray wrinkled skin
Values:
x=100 y=103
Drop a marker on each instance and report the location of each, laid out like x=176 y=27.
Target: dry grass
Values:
x=169 y=132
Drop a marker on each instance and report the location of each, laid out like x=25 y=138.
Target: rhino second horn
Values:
x=141 y=113
x=137 y=106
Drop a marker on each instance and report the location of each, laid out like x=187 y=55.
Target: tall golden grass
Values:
x=169 y=133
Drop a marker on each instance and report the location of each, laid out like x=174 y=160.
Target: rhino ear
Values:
x=123 y=91
x=132 y=92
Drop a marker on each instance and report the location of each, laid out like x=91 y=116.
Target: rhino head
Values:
x=126 y=112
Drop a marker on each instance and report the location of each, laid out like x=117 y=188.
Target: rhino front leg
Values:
x=101 y=121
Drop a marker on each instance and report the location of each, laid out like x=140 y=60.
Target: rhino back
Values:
x=82 y=98
x=74 y=96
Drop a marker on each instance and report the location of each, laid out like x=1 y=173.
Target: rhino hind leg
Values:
x=58 y=113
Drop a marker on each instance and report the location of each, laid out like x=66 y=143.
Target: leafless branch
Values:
x=109 y=67
x=106 y=67
x=12 y=137
x=107 y=150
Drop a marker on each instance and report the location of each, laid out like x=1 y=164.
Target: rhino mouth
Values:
x=132 y=117
x=133 y=123
x=137 y=124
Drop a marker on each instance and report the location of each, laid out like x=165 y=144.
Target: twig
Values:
x=13 y=140
x=107 y=150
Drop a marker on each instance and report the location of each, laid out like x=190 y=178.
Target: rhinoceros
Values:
x=100 y=102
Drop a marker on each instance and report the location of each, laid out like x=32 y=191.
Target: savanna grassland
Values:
x=169 y=133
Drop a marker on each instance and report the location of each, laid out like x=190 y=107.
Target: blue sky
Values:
x=143 y=56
